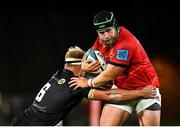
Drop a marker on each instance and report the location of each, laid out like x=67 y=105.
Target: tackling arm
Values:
x=119 y=95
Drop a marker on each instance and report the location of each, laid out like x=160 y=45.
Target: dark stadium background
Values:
x=34 y=38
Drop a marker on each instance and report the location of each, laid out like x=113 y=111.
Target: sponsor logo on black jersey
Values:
x=61 y=81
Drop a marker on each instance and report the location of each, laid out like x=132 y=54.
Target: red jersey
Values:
x=128 y=52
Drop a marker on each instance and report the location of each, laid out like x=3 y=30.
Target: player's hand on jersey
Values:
x=149 y=92
x=77 y=82
x=89 y=66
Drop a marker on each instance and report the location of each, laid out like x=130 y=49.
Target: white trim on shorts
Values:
x=145 y=103
x=139 y=104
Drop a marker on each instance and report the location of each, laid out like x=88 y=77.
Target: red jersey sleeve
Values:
x=122 y=53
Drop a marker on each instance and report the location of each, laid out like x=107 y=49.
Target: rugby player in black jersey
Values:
x=56 y=99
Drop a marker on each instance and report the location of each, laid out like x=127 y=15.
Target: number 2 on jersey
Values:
x=42 y=92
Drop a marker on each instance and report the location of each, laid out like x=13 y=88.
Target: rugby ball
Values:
x=95 y=55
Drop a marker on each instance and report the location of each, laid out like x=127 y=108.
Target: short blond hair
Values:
x=74 y=55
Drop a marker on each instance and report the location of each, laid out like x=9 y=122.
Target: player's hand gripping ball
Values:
x=93 y=56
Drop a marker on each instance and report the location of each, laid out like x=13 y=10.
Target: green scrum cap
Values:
x=104 y=19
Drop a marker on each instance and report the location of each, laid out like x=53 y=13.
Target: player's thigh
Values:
x=113 y=116
x=148 y=111
x=149 y=118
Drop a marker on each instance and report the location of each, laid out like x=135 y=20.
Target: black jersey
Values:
x=55 y=100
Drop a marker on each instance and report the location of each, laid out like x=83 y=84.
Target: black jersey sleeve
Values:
x=80 y=92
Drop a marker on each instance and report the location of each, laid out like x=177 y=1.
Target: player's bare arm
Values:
x=106 y=76
x=119 y=95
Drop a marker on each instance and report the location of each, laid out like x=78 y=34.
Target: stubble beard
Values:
x=111 y=42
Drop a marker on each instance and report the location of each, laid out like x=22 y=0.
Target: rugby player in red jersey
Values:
x=128 y=67
x=56 y=99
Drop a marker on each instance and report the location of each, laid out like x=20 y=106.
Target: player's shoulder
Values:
x=126 y=38
x=125 y=45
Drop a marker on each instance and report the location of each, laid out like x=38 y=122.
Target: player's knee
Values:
x=154 y=122
x=105 y=122
x=112 y=122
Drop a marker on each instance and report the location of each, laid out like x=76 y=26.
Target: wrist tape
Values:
x=91 y=94
x=90 y=83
